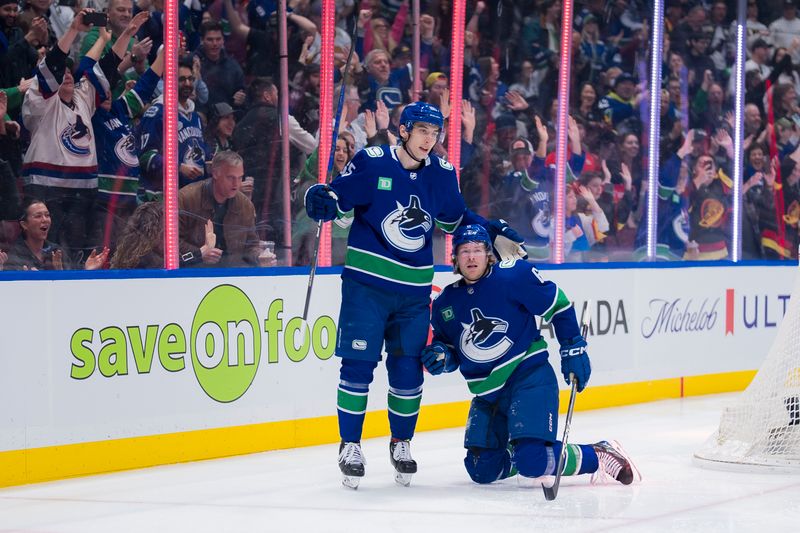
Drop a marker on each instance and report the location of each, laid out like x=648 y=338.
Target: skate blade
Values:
x=351 y=482
x=402 y=479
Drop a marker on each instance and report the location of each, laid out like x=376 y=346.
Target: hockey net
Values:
x=762 y=428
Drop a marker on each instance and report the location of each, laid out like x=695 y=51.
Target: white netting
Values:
x=762 y=428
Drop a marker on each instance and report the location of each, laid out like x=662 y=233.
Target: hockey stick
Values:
x=550 y=493
x=334 y=136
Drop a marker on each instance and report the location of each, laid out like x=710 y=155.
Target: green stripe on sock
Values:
x=350 y=402
x=403 y=405
x=574 y=459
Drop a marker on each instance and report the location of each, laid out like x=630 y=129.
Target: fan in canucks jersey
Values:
x=398 y=194
x=484 y=324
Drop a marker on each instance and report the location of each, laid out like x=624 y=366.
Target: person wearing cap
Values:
x=620 y=103
x=484 y=325
x=401 y=56
x=219 y=129
x=118 y=155
x=785 y=29
x=436 y=84
x=759 y=56
x=593 y=47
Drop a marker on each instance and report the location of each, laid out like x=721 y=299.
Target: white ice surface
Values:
x=300 y=490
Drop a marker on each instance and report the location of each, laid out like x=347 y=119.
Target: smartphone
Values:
x=99 y=20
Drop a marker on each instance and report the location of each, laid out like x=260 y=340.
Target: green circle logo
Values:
x=225 y=343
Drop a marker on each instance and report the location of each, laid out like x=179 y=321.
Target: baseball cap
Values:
x=624 y=77
x=433 y=77
x=521 y=145
x=221 y=109
x=401 y=51
x=506 y=120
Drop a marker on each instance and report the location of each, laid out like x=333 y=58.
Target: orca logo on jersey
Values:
x=406 y=226
x=194 y=155
x=125 y=150
x=77 y=138
x=476 y=335
x=541 y=221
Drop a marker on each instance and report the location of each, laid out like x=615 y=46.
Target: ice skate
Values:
x=614 y=463
x=400 y=457
x=351 y=463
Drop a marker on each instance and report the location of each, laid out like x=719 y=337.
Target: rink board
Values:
x=100 y=375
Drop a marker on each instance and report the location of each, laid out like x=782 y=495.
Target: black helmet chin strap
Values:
x=420 y=161
x=405 y=148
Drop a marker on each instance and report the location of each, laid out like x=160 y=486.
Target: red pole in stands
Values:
x=557 y=246
x=456 y=90
x=326 y=66
x=170 y=148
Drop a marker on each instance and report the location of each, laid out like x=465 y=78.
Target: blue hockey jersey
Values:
x=390 y=243
x=117 y=154
x=192 y=148
x=490 y=325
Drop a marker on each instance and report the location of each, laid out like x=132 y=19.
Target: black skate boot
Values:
x=400 y=457
x=614 y=463
x=351 y=463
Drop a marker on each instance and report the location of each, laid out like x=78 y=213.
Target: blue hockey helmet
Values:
x=421 y=112
x=471 y=233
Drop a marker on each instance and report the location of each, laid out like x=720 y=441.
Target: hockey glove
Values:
x=508 y=244
x=575 y=360
x=321 y=203
x=438 y=358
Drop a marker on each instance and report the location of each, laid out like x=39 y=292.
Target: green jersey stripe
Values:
x=384 y=268
x=500 y=374
x=560 y=302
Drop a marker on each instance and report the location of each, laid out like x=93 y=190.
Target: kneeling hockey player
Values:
x=484 y=324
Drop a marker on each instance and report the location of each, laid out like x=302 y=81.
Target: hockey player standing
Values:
x=398 y=193
x=484 y=324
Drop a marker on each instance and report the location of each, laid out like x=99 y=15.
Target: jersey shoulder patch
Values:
x=374 y=151
x=447 y=165
x=152 y=111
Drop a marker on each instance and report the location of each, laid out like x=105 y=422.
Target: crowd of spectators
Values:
x=81 y=143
